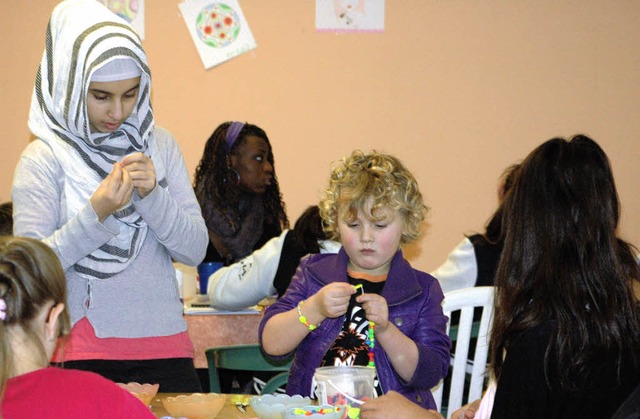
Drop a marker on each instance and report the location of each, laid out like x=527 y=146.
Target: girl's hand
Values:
x=468 y=411
x=377 y=310
x=332 y=300
x=113 y=193
x=394 y=405
x=142 y=171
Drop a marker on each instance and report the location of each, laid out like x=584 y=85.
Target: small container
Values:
x=144 y=392
x=324 y=411
x=269 y=406
x=349 y=386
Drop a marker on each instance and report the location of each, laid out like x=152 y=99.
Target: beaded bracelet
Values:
x=303 y=319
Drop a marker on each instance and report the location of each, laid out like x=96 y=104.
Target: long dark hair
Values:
x=562 y=263
x=215 y=185
x=493 y=230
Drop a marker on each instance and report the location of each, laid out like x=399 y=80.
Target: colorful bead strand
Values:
x=371 y=339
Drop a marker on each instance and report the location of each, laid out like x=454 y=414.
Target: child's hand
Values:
x=395 y=405
x=333 y=300
x=468 y=411
x=376 y=308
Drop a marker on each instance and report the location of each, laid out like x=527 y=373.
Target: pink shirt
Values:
x=54 y=393
x=83 y=344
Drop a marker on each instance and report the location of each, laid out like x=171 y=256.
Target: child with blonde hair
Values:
x=32 y=316
x=365 y=305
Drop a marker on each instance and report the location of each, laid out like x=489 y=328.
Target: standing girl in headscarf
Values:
x=109 y=192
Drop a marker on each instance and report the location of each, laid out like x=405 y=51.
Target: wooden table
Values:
x=209 y=330
x=228 y=412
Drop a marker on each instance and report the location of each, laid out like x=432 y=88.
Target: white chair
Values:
x=466 y=300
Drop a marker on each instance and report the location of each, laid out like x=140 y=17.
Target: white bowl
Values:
x=271 y=406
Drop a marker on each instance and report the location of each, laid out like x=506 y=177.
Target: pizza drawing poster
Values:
x=350 y=15
x=130 y=10
x=218 y=28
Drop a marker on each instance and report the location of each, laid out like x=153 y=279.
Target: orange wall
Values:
x=457 y=89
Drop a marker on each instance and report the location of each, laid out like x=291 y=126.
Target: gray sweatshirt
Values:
x=142 y=300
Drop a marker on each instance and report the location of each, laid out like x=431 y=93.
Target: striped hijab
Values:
x=82 y=36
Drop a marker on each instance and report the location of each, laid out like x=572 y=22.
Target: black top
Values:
x=487 y=258
x=630 y=409
x=523 y=391
x=351 y=347
x=292 y=252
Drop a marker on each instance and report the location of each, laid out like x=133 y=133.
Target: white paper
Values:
x=200 y=304
x=218 y=29
x=350 y=15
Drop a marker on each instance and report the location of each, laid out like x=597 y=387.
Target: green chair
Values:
x=246 y=358
x=275 y=383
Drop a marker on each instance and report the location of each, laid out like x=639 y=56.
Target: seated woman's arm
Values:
x=246 y=282
x=460 y=270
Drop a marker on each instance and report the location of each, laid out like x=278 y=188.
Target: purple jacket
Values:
x=414 y=300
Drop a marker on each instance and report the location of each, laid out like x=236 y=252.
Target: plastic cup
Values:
x=350 y=386
x=205 y=270
x=187 y=281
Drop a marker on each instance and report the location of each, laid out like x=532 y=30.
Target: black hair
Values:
x=214 y=181
x=6 y=218
x=308 y=229
x=563 y=264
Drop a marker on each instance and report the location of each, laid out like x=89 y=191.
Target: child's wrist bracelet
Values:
x=303 y=319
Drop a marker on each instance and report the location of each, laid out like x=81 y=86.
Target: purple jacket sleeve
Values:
x=296 y=292
x=432 y=341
